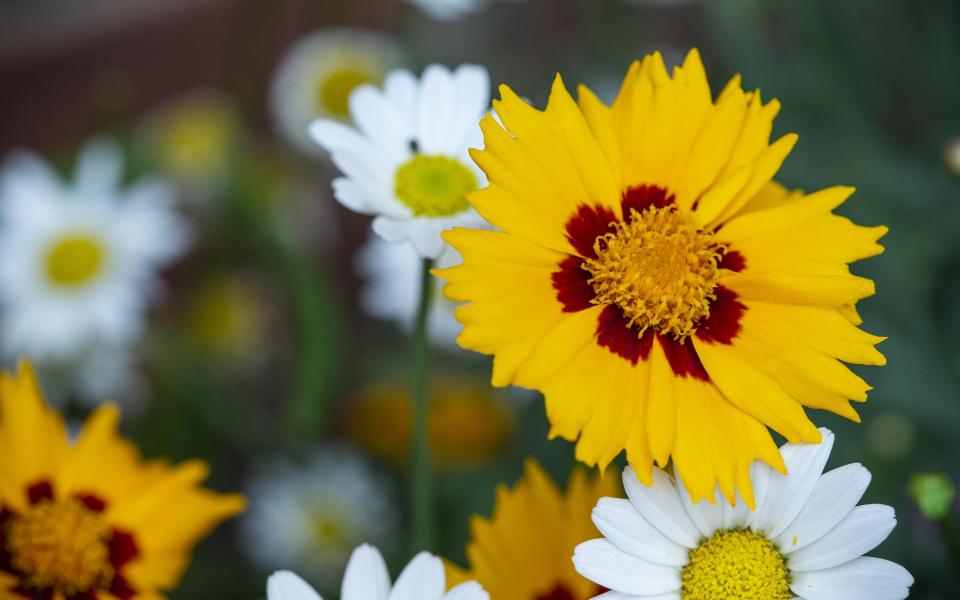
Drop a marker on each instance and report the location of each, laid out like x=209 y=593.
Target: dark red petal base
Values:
x=574 y=292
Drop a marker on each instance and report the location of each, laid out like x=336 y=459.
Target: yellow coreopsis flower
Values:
x=523 y=551
x=666 y=296
x=91 y=520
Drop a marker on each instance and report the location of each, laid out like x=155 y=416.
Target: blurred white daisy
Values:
x=79 y=259
x=805 y=540
x=318 y=74
x=392 y=289
x=367 y=578
x=309 y=517
x=450 y=10
x=407 y=163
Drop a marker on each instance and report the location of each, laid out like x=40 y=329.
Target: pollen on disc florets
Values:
x=659 y=268
x=60 y=545
x=736 y=563
x=434 y=186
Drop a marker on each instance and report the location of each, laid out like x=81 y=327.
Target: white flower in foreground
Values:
x=392 y=289
x=367 y=578
x=806 y=538
x=407 y=163
x=79 y=260
x=310 y=517
x=318 y=74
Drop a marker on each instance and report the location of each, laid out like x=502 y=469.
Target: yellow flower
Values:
x=666 y=296
x=228 y=319
x=466 y=425
x=535 y=526
x=90 y=519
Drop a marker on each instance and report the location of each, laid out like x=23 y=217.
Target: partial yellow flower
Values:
x=523 y=552
x=91 y=520
x=467 y=425
x=228 y=319
x=666 y=296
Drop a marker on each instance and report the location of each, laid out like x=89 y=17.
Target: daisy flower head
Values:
x=309 y=517
x=448 y=10
x=542 y=524
x=407 y=161
x=805 y=540
x=392 y=289
x=367 y=578
x=666 y=296
x=79 y=259
x=319 y=72
x=88 y=518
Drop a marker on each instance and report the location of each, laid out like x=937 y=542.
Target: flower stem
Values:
x=949 y=531
x=421 y=489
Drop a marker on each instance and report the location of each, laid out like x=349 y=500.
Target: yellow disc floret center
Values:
x=659 y=268
x=60 y=545
x=74 y=260
x=435 y=186
x=736 y=564
x=333 y=93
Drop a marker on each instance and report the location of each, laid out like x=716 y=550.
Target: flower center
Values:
x=736 y=564
x=60 y=545
x=333 y=93
x=659 y=268
x=435 y=186
x=74 y=260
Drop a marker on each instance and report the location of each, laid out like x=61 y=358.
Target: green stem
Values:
x=421 y=489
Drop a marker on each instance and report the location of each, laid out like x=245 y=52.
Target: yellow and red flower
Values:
x=653 y=281
x=90 y=520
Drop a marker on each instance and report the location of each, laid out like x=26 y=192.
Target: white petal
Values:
x=402 y=91
x=367 y=577
x=602 y=563
x=620 y=596
x=470 y=590
x=284 y=585
x=707 y=516
x=422 y=579
x=865 y=578
x=862 y=531
x=472 y=84
x=376 y=118
x=787 y=494
x=623 y=527
x=835 y=495
x=437 y=108
x=661 y=506
x=99 y=166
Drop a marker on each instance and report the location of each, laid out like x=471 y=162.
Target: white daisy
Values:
x=392 y=290
x=367 y=578
x=408 y=162
x=318 y=74
x=79 y=260
x=449 y=10
x=805 y=540
x=309 y=517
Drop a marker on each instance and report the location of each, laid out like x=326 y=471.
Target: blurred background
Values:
x=267 y=352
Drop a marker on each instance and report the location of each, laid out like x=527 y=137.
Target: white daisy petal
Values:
x=603 y=563
x=786 y=494
x=620 y=596
x=422 y=579
x=865 y=578
x=659 y=505
x=467 y=591
x=402 y=92
x=99 y=166
x=366 y=577
x=622 y=525
x=437 y=110
x=284 y=585
x=375 y=117
x=835 y=495
x=860 y=532
x=707 y=516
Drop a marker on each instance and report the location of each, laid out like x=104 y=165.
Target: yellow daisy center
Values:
x=659 y=268
x=736 y=564
x=434 y=186
x=60 y=545
x=333 y=93
x=74 y=260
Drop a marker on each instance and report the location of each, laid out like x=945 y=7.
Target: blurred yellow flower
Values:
x=91 y=519
x=652 y=280
x=467 y=424
x=193 y=138
x=228 y=318
x=536 y=526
